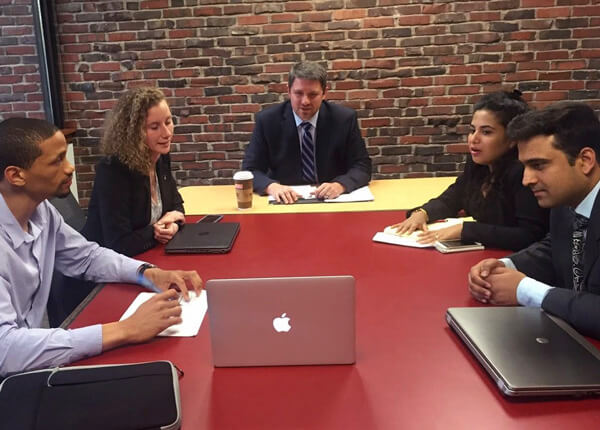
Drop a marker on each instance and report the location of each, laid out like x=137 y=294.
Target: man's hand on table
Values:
x=156 y=314
x=181 y=280
x=282 y=193
x=329 y=190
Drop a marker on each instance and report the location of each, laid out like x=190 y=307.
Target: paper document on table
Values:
x=389 y=234
x=362 y=194
x=192 y=314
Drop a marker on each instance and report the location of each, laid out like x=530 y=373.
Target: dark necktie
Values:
x=579 y=227
x=308 y=154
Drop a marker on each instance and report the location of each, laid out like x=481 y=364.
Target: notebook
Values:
x=207 y=238
x=281 y=321
x=527 y=352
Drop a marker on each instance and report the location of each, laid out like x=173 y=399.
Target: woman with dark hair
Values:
x=490 y=189
x=135 y=202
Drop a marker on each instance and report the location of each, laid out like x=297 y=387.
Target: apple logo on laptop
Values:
x=282 y=323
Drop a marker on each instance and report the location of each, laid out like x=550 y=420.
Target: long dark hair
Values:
x=505 y=106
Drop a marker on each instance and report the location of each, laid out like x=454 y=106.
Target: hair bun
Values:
x=516 y=94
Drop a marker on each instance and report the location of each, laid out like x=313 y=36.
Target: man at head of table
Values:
x=35 y=241
x=307 y=140
x=559 y=147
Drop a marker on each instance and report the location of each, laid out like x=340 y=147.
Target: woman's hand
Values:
x=448 y=233
x=164 y=232
x=416 y=221
x=166 y=227
x=170 y=217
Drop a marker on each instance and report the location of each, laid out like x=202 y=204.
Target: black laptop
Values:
x=204 y=238
x=528 y=352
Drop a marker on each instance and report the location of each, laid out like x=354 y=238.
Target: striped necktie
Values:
x=308 y=154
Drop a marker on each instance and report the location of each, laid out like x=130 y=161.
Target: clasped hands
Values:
x=286 y=194
x=166 y=227
x=490 y=281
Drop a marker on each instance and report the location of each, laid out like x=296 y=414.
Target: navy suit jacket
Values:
x=549 y=261
x=273 y=154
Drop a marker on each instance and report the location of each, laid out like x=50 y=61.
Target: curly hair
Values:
x=125 y=130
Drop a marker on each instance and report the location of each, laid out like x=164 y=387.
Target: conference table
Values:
x=411 y=371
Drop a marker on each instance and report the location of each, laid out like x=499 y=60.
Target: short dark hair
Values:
x=308 y=70
x=20 y=140
x=573 y=125
x=503 y=104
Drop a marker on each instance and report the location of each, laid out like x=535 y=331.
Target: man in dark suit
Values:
x=560 y=148
x=307 y=140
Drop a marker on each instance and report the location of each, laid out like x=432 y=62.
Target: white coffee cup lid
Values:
x=243 y=175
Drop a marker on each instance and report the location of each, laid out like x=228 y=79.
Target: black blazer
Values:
x=273 y=154
x=549 y=261
x=508 y=217
x=120 y=208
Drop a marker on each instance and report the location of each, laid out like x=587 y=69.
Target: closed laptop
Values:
x=528 y=352
x=208 y=238
x=282 y=321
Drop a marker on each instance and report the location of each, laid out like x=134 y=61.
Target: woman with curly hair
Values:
x=135 y=202
x=490 y=189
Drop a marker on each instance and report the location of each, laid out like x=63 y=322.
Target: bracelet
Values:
x=424 y=211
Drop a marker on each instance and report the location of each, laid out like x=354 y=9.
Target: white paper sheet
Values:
x=389 y=235
x=192 y=313
x=362 y=194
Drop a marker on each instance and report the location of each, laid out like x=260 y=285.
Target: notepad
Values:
x=389 y=235
x=192 y=314
x=362 y=194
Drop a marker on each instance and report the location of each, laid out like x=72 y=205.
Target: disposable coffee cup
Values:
x=243 y=189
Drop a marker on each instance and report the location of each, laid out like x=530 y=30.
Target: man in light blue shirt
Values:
x=34 y=240
x=560 y=149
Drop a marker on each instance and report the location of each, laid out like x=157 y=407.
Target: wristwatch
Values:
x=143 y=268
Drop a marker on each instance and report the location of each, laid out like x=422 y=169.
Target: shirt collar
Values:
x=585 y=207
x=12 y=229
x=313 y=120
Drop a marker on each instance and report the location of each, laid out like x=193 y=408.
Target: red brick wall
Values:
x=411 y=69
x=20 y=90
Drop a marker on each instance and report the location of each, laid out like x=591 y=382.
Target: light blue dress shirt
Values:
x=27 y=263
x=531 y=292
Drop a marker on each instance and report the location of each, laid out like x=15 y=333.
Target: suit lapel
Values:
x=590 y=254
x=324 y=122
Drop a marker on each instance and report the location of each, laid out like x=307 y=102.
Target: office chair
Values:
x=65 y=292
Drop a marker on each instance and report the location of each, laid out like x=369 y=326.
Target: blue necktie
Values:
x=308 y=154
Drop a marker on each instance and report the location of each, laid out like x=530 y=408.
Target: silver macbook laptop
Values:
x=282 y=321
x=528 y=352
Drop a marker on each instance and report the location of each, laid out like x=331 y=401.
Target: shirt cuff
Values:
x=508 y=263
x=87 y=342
x=130 y=267
x=531 y=293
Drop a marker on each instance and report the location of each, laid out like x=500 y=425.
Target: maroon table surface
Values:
x=411 y=371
